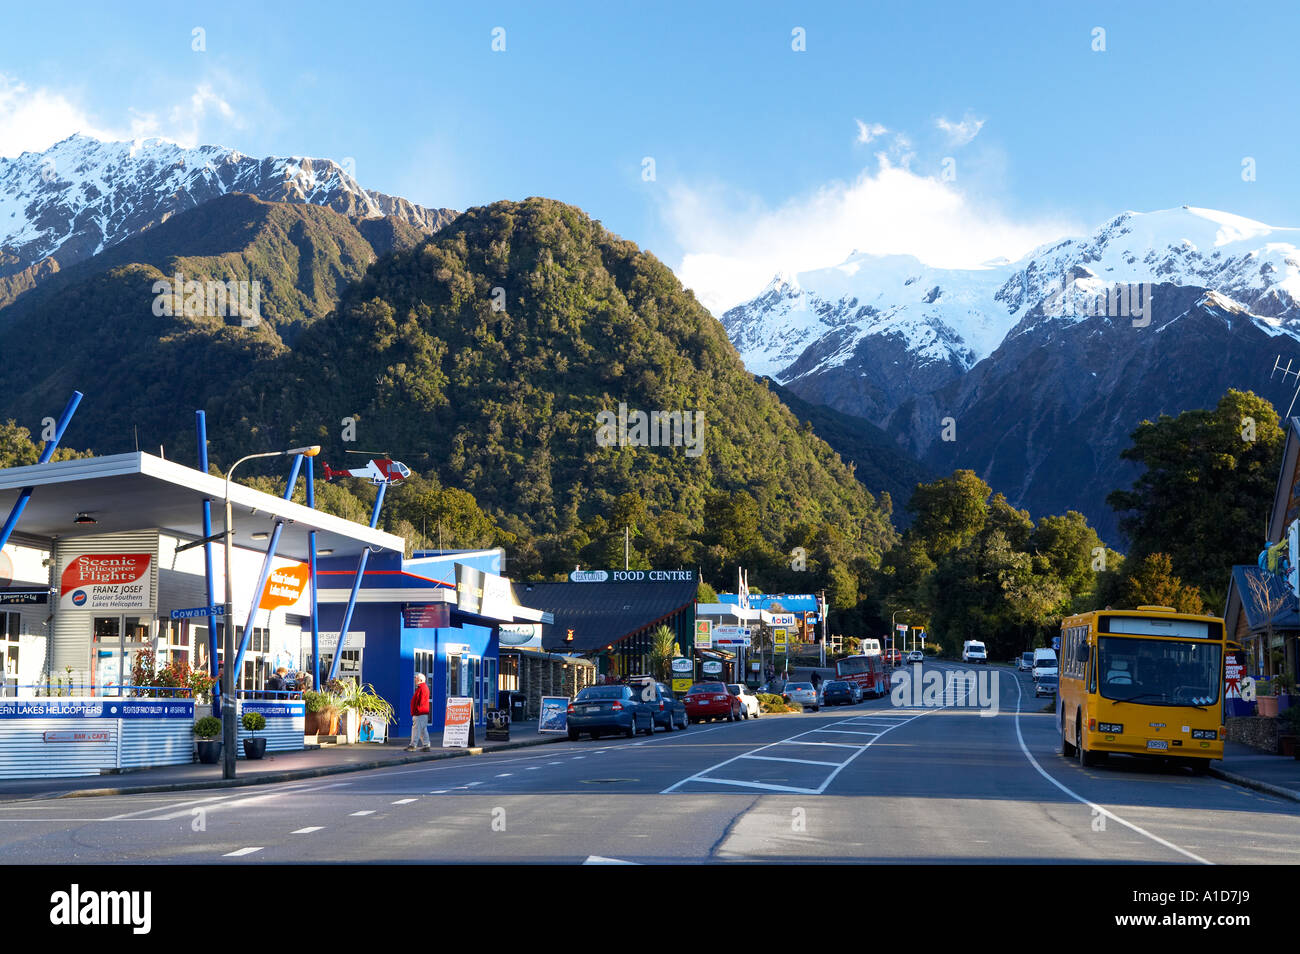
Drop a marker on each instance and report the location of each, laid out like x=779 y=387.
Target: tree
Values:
x=1153 y=583
x=663 y=649
x=949 y=511
x=1208 y=480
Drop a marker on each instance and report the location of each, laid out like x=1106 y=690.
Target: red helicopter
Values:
x=380 y=470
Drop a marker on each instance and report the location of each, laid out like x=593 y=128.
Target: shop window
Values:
x=453 y=675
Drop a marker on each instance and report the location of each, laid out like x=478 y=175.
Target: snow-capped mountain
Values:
x=82 y=195
x=864 y=335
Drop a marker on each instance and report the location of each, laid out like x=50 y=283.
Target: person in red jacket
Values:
x=420 y=715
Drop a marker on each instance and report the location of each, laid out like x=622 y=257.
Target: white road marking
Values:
x=369 y=811
x=849 y=731
x=505 y=774
x=601 y=860
x=1093 y=805
x=441 y=791
x=403 y=801
x=308 y=830
x=774 y=758
x=766 y=785
x=241 y=852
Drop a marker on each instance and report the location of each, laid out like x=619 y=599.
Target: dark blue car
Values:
x=607 y=710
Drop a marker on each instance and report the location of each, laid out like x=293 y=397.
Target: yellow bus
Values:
x=1147 y=682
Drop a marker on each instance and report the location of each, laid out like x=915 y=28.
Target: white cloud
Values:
x=960 y=133
x=733 y=244
x=869 y=131
x=34 y=119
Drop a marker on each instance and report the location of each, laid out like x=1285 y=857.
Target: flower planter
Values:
x=325 y=722
x=254 y=748
x=1267 y=706
x=209 y=751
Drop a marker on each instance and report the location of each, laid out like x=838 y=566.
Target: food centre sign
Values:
x=107 y=581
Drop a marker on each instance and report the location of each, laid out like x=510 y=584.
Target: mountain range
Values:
x=1033 y=373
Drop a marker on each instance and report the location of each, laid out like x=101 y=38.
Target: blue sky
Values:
x=764 y=157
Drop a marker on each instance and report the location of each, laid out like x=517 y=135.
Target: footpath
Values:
x=1273 y=774
x=274 y=767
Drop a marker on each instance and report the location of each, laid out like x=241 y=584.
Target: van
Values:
x=1026 y=661
x=1044 y=663
x=869 y=647
x=972 y=651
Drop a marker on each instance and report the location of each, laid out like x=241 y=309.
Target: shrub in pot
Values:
x=255 y=747
x=321 y=713
x=207 y=732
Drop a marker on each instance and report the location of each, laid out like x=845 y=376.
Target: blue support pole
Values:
x=266 y=571
x=46 y=453
x=201 y=422
x=356 y=586
x=311 y=576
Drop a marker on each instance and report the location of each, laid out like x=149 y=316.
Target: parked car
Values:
x=601 y=710
x=1045 y=685
x=916 y=656
x=667 y=709
x=1026 y=663
x=711 y=700
x=804 y=694
x=840 y=693
x=748 y=701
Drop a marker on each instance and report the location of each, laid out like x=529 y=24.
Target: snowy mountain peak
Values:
x=83 y=195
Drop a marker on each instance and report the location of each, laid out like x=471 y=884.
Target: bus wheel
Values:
x=1067 y=750
x=1198 y=766
x=1086 y=758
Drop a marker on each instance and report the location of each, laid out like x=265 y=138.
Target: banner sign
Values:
x=284 y=586
x=271 y=709
x=22 y=598
x=498 y=725
x=712 y=667
x=681 y=685
x=683 y=664
x=426 y=616
x=520 y=636
x=703 y=634
x=330 y=641
x=107 y=581
x=554 y=716
x=373 y=728
x=455 y=732
x=1232 y=673
x=632 y=576
x=97 y=709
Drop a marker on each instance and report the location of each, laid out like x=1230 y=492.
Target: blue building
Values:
x=437 y=613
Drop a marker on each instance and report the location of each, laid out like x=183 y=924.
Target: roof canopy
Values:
x=601 y=614
x=141 y=492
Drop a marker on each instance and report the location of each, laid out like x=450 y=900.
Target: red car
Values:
x=711 y=700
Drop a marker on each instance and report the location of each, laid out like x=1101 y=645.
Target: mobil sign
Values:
x=107 y=581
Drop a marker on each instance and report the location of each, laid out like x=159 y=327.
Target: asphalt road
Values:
x=873 y=782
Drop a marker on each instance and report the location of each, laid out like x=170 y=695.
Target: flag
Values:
x=742 y=589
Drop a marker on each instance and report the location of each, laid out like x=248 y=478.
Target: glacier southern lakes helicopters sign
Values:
x=632 y=576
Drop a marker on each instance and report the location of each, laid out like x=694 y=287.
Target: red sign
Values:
x=107 y=581
x=77 y=735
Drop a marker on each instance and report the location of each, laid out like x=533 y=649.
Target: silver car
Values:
x=803 y=693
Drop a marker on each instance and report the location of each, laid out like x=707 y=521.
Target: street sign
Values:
x=22 y=597
x=703 y=634
x=215 y=610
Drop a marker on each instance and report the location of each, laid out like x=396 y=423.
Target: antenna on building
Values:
x=1286 y=372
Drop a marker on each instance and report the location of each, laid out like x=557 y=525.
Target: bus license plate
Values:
x=1157 y=744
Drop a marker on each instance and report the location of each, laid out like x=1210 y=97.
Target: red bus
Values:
x=867 y=671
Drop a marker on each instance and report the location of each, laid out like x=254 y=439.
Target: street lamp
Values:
x=228 y=643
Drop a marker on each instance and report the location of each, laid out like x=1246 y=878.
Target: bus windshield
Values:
x=851 y=666
x=1159 y=672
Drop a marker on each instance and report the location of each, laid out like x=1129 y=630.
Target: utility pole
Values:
x=627 y=540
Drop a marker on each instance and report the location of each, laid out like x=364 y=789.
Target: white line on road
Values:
x=1093 y=805
x=403 y=801
x=241 y=852
x=774 y=758
x=308 y=830
x=369 y=811
x=766 y=785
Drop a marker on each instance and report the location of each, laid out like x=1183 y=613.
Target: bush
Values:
x=317 y=701
x=253 y=721
x=209 y=727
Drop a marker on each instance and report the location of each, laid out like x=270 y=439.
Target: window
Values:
x=453 y=675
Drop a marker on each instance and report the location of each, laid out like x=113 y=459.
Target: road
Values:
x=868 y=783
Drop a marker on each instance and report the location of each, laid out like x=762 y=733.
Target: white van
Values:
x=869 y=647
x=1044 y=663
x=972 y=651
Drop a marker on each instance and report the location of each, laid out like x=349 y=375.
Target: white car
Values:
x=916 y=656
x=804 y=694
x=748 y=701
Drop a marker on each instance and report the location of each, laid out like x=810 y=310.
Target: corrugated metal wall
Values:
x=284 y=724
x=24 y=753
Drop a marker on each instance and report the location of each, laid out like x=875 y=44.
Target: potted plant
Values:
x=321 y=713
x=1265 y=699
x=359 y=702
x=207 y=732
x=254 y=722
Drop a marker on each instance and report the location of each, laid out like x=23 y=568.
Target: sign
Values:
x=712 y=667
x=284 y=586
x=330 y=641
x=554 y=716
x=632 y=576
x=483 y=594
x=107 y=581
x=901 y=627
x=520 y=636
x=456 y=724
x=783 y=619
x=23 y=597
x=703 y=634
x=681 y=685
x=217 y=609
x=77 y=735
x=498 y=725
x=372 y=729
x=683 y=664
x=778 y=640
x=731 y=641
x=97 y=709
x=426 y=616
x=1056 y=645
x=1232 y=673
x=469 y=588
